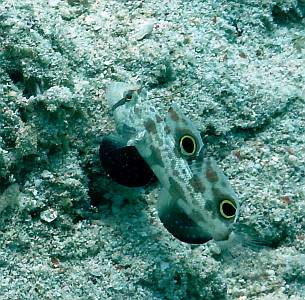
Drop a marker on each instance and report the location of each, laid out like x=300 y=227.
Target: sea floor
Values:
x=236 y=68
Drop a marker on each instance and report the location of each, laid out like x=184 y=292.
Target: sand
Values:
x=236 y=68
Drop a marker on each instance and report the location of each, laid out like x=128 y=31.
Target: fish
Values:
x=122 y=162
x=196 y=202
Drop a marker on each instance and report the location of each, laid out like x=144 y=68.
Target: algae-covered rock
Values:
x=10 y=197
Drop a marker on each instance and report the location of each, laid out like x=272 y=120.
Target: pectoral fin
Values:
x=123 y=163
x=178 y=223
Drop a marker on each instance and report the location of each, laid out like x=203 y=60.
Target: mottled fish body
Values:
x=196 y=201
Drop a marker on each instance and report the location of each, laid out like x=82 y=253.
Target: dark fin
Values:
x=177 y=222
x=123 y=163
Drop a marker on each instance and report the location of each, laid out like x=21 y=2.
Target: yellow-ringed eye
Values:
x=187 y=145
x=227 y=209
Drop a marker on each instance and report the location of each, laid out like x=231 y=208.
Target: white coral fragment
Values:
x=144 y=29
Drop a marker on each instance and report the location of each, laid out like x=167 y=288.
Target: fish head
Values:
x=199 y=200
x=122 y=99
x=122 y=94
x=199 y=207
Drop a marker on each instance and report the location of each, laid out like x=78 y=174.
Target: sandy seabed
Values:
x=236 y=68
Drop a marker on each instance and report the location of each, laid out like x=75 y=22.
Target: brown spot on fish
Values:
x=211 y=175
x=197 y=184
x=173 y=115
x=150 y=126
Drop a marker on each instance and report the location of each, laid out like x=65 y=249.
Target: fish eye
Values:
x=187 y=145
x=128 y=95
x=227 y=209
